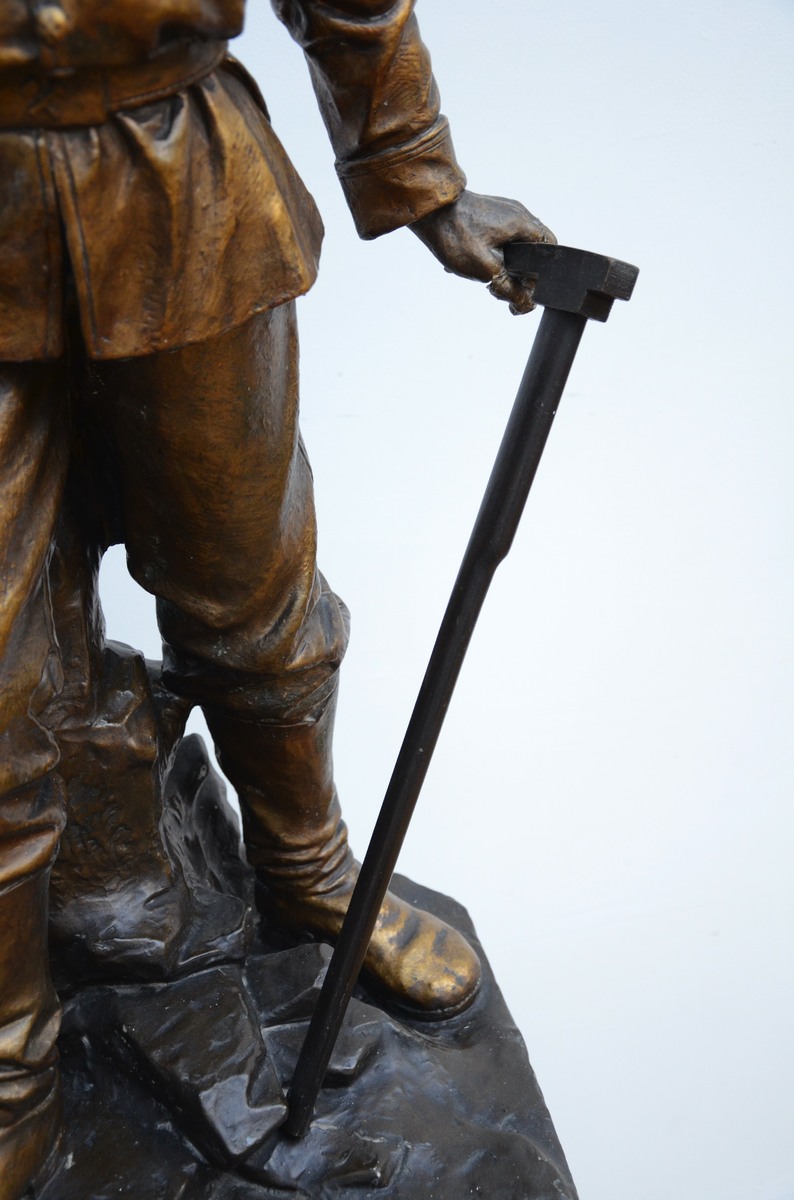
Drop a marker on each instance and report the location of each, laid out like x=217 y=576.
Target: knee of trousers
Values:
x=275 y=675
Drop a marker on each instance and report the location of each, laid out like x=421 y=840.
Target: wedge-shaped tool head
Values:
x=574 y=281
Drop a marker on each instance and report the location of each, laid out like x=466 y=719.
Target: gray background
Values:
x=611 y=796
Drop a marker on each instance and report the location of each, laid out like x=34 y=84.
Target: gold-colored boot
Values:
x=297 y=841
x=29 y=1141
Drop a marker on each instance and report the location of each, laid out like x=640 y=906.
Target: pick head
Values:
x=575 y=281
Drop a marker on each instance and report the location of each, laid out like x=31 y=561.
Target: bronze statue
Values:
x=153 y=239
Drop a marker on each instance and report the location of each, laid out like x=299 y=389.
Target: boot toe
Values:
x=421 y=964
x=415 y=962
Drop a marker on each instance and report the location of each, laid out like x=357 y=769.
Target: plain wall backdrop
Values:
x=612 y=793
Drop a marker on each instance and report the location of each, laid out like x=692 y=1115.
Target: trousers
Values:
x=193 y=458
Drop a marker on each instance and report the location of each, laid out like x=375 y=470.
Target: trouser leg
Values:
x=33 y=456
x=218 y=518
x=217 y=513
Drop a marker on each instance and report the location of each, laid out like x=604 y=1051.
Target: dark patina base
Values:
x=183 y=1018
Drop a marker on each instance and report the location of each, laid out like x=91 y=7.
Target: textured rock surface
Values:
x=183 y=1019
x=148 y=882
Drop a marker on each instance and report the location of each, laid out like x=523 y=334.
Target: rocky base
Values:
x=166 y=1084
x=183 y=1018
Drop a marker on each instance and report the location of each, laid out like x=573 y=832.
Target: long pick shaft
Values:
x=552 y=355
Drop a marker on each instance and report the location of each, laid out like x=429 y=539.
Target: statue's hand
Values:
x=468 y=236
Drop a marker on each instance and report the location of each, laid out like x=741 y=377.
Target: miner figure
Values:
x=153 y=239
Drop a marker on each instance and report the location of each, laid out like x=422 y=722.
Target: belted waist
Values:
x=88 y=95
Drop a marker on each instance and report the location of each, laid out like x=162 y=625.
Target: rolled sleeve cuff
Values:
x=400 y=185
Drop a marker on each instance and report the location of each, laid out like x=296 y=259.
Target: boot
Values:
x=296 y=840
x=30 y=1096
x=29 y=1143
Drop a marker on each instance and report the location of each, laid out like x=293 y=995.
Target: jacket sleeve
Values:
x=372 y=76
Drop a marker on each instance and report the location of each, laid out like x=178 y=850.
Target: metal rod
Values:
x=541 y=388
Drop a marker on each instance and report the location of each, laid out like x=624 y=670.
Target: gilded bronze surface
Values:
x=153 y=236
